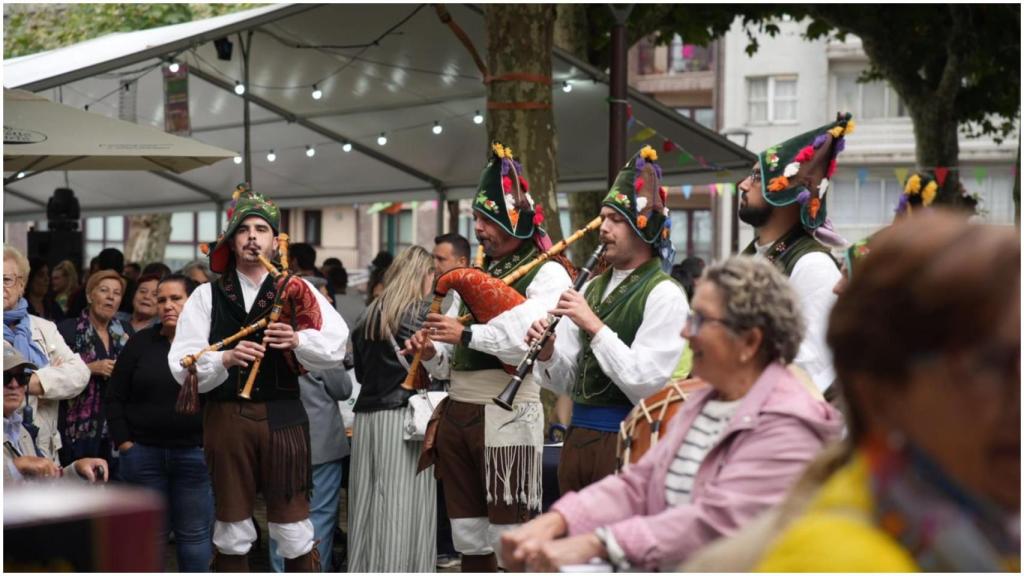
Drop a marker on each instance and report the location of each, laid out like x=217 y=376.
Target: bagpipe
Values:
x=486 y=296
x=293 y=299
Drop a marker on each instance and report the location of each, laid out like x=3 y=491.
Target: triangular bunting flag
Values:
x=940 y=175
x=901 y=175
x=862 y=175
x=980 y=174
x=713 y=190
x=668 y=145
x=644 y=134
x=685 y=158
x=687 y=191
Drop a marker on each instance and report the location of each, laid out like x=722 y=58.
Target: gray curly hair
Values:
x=757 y=295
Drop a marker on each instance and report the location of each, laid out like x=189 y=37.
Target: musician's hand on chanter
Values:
x=420 y=341
x=242 y=354
x=281 y=336
x=92 y=469
x=441 y=328
x=536 y=331
x=574 y=306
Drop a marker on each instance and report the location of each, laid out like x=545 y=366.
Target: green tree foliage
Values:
x=955 y=66
x=31 y=28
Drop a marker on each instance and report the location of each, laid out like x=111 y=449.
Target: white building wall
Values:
x=866 y=186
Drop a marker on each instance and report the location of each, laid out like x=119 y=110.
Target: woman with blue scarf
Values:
x=61 y=374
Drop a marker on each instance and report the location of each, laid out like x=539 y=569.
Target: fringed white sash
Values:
x=514 y=450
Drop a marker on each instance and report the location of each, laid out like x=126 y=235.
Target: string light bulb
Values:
x=174 y=67
x=382 y=139
x=347 y=146
x=310 y=151
x=478 y=118
x=317 y=93
x=239 y=88
x=566 y=86
x=21 y=175
x=238 y=159
x=437 y=129
x=271 y=156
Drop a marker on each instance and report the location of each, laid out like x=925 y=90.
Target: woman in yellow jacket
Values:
x=926 y=341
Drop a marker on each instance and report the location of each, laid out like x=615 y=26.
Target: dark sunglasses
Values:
x=19 y=377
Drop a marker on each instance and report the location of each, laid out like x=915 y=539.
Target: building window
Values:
x=311 y=225
x=691 y=233
x=188 y=231
x=104 y=232
x=703 y=116
x=396 y=231
x=868 y=100
x=771 y=99
x=683 y=57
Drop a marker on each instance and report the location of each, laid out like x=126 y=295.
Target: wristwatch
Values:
x=467 y=336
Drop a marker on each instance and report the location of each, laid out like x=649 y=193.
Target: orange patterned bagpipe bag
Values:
x=484 y=295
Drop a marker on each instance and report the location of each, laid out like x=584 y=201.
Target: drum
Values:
x=649 y=420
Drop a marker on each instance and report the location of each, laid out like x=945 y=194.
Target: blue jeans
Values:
x=323 y=513
x=180 y=475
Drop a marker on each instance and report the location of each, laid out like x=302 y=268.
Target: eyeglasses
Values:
x=755 y=175
x=11 y=279
x=695 y=320
x=18 y=377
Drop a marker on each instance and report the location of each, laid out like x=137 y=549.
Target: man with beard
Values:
x=624 y=339
x=783 y=198
x=489 y=459
x=261 y=443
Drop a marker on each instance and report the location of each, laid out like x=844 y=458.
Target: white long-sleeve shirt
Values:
x=321 y=349
x=814 y=275
x=640 y=369
x=504 y=336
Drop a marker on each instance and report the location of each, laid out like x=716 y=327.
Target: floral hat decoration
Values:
x=800 y=170
x=638 y=195
x=504 y=195
x=244 y=203
x=920 y=189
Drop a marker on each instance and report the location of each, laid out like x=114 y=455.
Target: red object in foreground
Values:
x=64 y=526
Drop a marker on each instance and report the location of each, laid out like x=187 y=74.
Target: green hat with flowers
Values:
x=504 y=195
x=800 y=169
x=244 y=203
x=638 y=195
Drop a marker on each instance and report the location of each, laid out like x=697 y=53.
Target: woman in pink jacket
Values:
x=732 y=452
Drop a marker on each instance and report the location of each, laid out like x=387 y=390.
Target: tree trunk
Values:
x=519 y=40
x=1016 y=188
x=571 y=36
x=147 y=238
x=937 y=143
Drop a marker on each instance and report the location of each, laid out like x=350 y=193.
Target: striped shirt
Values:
x=700 y=438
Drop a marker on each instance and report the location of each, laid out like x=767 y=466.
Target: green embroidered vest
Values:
x=786 y=251
x=623 y=312
x=276 y=379
x=464 y=358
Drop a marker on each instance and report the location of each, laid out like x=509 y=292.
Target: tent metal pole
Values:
x=617 y=89
x=246 y=49
x=442 y=198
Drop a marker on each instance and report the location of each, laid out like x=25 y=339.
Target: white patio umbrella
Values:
x=41 y=135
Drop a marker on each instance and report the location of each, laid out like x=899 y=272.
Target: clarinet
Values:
x=508 y=395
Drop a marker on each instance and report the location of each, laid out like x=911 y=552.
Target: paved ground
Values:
x=259 y=556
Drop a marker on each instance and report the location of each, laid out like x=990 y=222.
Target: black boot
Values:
x=229 y=562
x=486 y=563
x=308 y=562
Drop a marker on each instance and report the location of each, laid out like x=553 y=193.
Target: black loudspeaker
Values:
x=53 y=246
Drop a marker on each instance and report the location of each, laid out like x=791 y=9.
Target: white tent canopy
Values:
x=373 y=81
